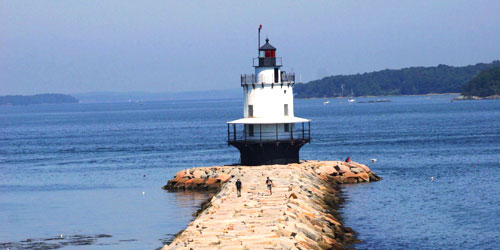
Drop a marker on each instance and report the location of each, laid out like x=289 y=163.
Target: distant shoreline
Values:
x=370 y=96
x=473 y=98
x=14 y=100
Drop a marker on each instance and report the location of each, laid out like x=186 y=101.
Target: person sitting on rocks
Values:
x=348 y=159
x=269 y=183
x=238 y=187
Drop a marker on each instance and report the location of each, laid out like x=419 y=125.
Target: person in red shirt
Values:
x=348 y=159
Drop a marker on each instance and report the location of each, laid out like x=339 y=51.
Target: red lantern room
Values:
x=267 y=56
x=267 y=50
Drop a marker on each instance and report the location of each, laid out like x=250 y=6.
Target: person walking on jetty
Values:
x=238 y=187
x=269 y=184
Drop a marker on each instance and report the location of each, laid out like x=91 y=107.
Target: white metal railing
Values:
x=253 y=79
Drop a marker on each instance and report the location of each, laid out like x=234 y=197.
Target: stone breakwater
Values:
x=301 y=213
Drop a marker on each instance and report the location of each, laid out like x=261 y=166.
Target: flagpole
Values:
x=260 y=27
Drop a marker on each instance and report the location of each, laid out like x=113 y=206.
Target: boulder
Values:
x=332 y=220
x=328 y=169
x=364 y=167
x=179 y=175
x=362 y=176
x=197 y=181
x=197 y=174
x=223 y=177
x=343 y=168
x=329 y=241
x=356 y=170
x=211 y=181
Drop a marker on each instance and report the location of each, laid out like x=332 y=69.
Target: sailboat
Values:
x=351 y=98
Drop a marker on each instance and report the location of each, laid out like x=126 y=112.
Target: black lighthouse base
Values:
x=260 y=153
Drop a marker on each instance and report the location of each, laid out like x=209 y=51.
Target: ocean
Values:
x=82 y=176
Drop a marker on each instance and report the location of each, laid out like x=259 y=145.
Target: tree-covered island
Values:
x=407 y=81
x=485 y=85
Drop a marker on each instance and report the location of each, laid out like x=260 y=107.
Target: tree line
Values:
x=407 y=81
x=486 y=83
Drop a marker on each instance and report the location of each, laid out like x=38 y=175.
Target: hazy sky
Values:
x=157 y=46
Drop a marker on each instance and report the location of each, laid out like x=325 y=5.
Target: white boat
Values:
x=351 y=99
x=326 y=102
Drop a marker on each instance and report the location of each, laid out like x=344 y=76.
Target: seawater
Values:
x=89 y=169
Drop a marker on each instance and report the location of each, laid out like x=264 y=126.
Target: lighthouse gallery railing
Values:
x=235 y=134
x=252 y=78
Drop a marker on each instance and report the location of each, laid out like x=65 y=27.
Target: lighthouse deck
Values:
x=300 y=134
x=266 y=137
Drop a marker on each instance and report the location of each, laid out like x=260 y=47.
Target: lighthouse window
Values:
x=286 y=109
x=287 y=127
x=250 y=110
x=250 y=130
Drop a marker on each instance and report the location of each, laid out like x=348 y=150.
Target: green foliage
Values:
x=407 y=81
x=486 y=83
x=36 y=99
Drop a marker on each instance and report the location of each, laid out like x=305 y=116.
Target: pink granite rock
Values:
x=223 y=177
x=197 y=173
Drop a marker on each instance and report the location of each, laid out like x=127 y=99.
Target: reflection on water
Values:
x=188 y=200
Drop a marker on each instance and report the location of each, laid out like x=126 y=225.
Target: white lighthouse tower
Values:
x=268 y=133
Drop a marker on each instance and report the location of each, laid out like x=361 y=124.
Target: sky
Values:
x=82 y=46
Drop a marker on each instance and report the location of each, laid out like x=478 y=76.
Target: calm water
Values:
x=82 y=169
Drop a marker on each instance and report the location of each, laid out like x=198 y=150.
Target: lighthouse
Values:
x=269 y=132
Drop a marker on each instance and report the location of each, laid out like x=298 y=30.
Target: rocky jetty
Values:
x=301 y=213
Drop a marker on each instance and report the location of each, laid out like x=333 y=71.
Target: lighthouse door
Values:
x=276 y=75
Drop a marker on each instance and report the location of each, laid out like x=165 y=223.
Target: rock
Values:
x=328 y=169
x=329 y=241
x=179 y=175
x=343 y=168
x=332 y=220
x=223 y=177
x=364 y=176
x=356 y=170
x=360 y=177
x=211 y=181
x=197 y=174
x=197 y=181
x=364 y=167
x=374 y=177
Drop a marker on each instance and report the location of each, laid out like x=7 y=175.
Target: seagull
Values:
x=432 y=178
x=61 y=236
x=374 y=160
x=143 y=193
